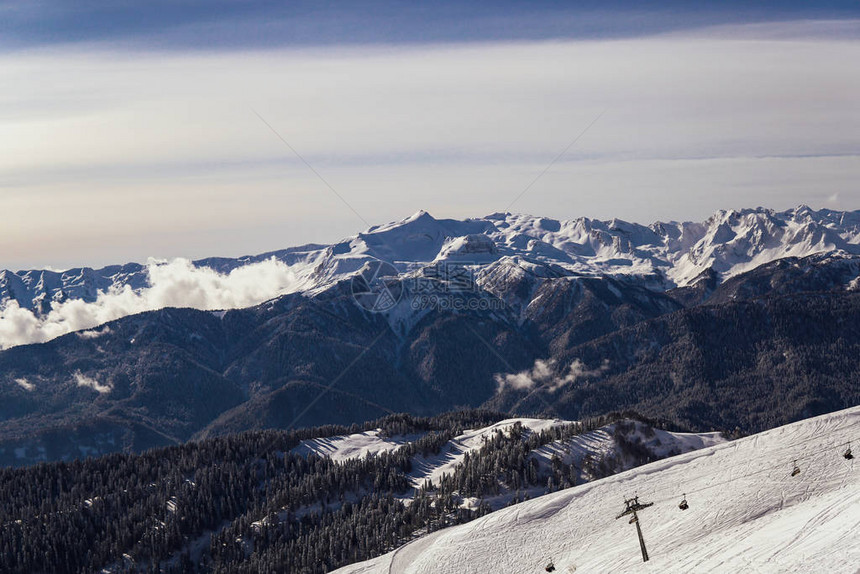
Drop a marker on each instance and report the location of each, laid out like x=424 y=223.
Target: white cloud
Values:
x=84 y=381
x=541 y=373
x=545 y=373
x=25 y=384
x=578 y=370
x=95 y=333
x=174 y=284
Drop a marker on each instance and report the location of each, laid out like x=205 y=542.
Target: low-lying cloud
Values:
x=174 y=284
x=546 y=374
x=95 y=333
x=84 y=381
x=25 y=384
x=541 y=373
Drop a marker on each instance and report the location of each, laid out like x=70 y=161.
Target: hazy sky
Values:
x=131 y=129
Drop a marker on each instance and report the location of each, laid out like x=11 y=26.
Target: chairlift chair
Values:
x=847 y=454
x=796 y=470
x=684 y=505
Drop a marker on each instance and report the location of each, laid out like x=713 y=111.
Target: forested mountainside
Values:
x=267 y=502
x=749 y=364
x=781 y=339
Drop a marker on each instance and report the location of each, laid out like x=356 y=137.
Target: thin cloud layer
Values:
x=716 y=118
x=174 y=284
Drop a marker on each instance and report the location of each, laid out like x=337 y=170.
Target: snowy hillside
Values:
x=597 y=444
x=433 y=467
x=747 y=513
x=340 y=448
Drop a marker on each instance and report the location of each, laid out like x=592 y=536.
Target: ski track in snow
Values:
x=746 y=514
x=340 y=448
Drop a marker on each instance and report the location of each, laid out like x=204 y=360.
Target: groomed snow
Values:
x=746 y=514
x=340 y=448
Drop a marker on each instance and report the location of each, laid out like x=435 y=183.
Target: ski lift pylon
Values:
x=550 y=567
x=796 y=470
x=684 y=505
x=847 y=454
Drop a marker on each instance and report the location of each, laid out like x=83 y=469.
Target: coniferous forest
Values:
x=246 y=503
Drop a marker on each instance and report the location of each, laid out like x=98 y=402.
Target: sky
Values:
x=131 y=130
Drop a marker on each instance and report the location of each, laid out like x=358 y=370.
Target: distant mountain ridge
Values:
x=532 y=327
x=667 y=255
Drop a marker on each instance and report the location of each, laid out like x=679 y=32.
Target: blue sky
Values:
x=130 y=129
x=182 y=24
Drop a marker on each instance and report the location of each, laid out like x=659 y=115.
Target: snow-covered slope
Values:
x=747 y=513
x=359 y=445
x=432 y=467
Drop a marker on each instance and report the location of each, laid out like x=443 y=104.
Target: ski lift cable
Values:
x=821 y=452
x=782 y=465
x=674 y=497
x=837 y=447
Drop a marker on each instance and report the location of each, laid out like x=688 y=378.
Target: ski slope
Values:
x=746 y=514
x=358 y=445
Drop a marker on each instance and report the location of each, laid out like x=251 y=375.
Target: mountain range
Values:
x=747 y=320
x=666 y=255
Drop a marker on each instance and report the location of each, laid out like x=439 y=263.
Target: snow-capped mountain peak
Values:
x=660 y=256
